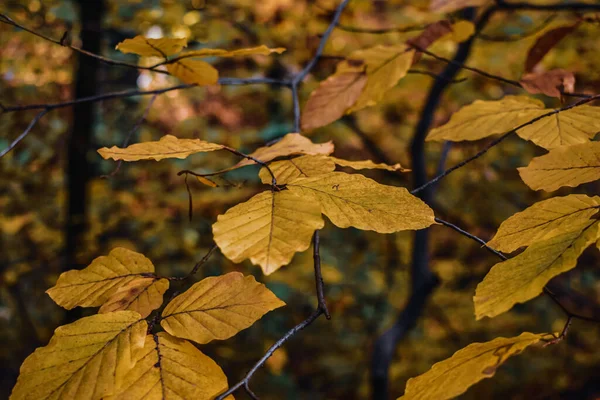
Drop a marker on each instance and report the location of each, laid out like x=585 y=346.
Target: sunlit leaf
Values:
x=95 y=284
x=461 y=31
x=368 y=164
x=385 y=66
x=523 y=277
x=544 y=220
x=171 y=369
x=290 y=144
x=288 y=170
x=449 y=378
x=84 y=360
x=564 y=166
x=148 y=47
x=485 y=118
x=545 y=43
x=332 y=98
x=142 y=295
x=355 y=200
x=218 y=307
x=268 y=229
x=195 y=72
x=550 y=83
x=168 y=146
x=251 y=51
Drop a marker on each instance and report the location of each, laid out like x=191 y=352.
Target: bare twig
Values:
x=504 y=5
x=296 y=106
x=197 y=266
x=322 y=304
x=380 y=31
x=25 y=132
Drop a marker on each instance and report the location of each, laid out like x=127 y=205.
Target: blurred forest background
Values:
x=144 y=206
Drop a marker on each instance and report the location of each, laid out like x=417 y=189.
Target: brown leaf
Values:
x=549 y=83
x=332 y=98
x=431 y=33
x=545 y=43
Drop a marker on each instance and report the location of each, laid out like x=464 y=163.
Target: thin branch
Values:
x=547 y=291
x=380 y=31
x=504 y=5
x=322 y=304
x=256 y=160
x=296 y=101
x=435 y=76
x=130 y=133
x=197 y=266
x=25 y=133
x=336 y=17
x=500 y=139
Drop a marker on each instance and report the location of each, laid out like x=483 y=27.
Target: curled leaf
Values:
x=550 y=83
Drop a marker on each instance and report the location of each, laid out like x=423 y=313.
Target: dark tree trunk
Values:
x=78 y=169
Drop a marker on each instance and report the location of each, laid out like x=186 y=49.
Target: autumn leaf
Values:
x=485 y=118
x=170 y=369
x=430 y=34
x=545 y=43
x=385 y=66
x=332 y=98
x=447 y=6
x=290 y=144
x=148 y=47
x=268 y=229
x=288 y=170
x=218 y=307
x=544 y=220
x=550 y=83
x=251 y=51
x=564 y=166
x=461 y=31
x=368 y=164
x=168 y=146
x=84 y=360
x=195 y=72
x=523 y=277
x=355 y=200
x=450 y=378
x=142 y=295
x=95 y=284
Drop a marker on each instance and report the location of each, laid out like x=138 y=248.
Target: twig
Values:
x=25 y=132
x=197 y=266
x=500 y=139
x=379 y=31
x=296 y=106
x=503 y=5
x=256 y=160
x=130 y=133
x=435 y=76
x=321 y=310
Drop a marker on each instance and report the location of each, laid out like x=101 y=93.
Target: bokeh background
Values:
x=144 y=206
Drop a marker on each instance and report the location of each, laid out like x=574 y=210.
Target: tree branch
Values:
x=25 y=133
x=504 y=5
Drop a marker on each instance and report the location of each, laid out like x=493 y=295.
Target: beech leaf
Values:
x=168 y=146
x=549 y=83
x=95 y=284
x=218 y=307
x=148 y=47
x=288 y=170
x=450 y=378
x=142 y=295
x=523 y=277
x=251 y=51
x=171 y=369
x=332 y=98
x=544 y=220
x=355 y=200
x=545 y=43
x=485 y=118
x=84 y=360
x=368 y=164
x=564 y=166
x=196 y=72
x=268 y=229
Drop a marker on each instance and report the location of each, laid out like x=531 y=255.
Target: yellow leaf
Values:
x=386 y=65
x=485 y=118
x=544 y=220
x=206 y=181
x=290 y=144
x=196 y=72
x=93 y=285
x=461 y=31
x=142 y=295
x=170 y=369
x=523 y=277
x=368 y=164
x=268 y=229
x=259 y=50
x=288 y=170
x=168 y=146
x=218 y=307
x=449 y=378
x=147 y=47
x=565 y=166
x=355 y=200
x=84 y=360
x=332 y=98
